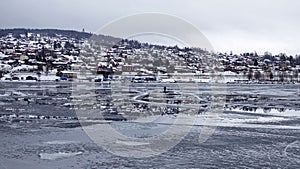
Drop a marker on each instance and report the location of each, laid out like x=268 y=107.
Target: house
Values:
x=68 y=74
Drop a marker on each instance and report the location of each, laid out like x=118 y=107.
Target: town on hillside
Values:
x=56 y=55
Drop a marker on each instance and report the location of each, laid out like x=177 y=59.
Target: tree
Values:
x=255 y=62
x=283 y=57
x=271 y=76
x=128 y=61
x=55 y=45
x=171 y=69
x=281 y=76
x=157 y=62
x=167 y=63
x=292 y=61
x=250 y=75
x=68 y=45
x=296 y=73
x=257 y=75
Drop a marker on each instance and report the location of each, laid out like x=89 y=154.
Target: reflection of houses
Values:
x=68 y=74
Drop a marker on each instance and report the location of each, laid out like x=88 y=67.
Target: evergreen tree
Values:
x=271 y=76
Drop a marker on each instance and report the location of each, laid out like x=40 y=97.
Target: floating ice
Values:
x=60 y=142
x=131 y=143
x=59 y=155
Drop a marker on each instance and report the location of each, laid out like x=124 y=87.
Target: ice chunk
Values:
x=59 y=155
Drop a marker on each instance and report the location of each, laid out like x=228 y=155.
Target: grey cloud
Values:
x=229 y=24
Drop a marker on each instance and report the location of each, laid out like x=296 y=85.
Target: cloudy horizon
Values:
x=232 y=25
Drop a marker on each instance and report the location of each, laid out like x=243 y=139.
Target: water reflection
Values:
x=264 y=110
x=116 y=103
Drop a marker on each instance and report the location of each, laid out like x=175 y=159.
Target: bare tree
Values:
x=295 y=74
x=250 y=75
x=257 y=75
x=271 y=76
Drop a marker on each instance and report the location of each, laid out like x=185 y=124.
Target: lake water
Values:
x=51 y=125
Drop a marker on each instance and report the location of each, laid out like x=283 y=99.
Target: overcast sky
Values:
x=237 y=25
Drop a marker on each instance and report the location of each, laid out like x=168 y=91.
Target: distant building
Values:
x=68 y=74
x=128 y=68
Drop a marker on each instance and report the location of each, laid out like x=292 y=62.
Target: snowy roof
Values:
x=3 y=56
x=69 y=72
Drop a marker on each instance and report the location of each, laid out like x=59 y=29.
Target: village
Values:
x=57 y=57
